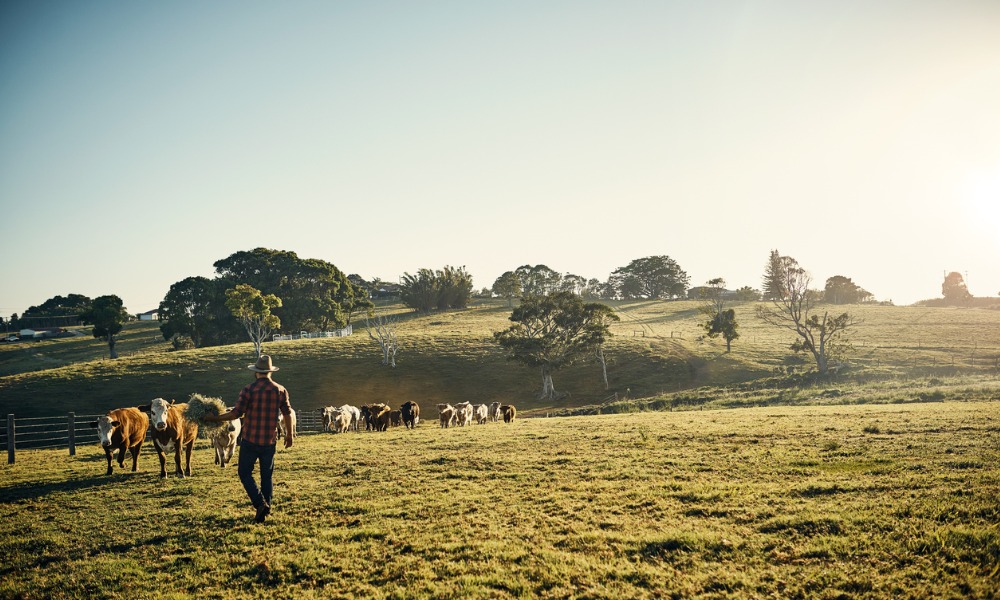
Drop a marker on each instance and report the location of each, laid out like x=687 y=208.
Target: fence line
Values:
x=345 y=332
x=47 y=433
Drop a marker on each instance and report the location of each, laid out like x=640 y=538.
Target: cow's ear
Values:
x=93 y=424
x=145 y=408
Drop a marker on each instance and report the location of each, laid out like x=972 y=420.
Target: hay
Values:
x=199 y=406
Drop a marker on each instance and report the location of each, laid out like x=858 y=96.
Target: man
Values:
x=259 y=403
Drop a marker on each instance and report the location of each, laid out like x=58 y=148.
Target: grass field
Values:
x=861 y=501
x=657 y=356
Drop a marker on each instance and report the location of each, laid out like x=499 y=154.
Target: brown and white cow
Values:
x=224 y=441
x=464 y=412
x=448 y=414
x=122 y=429
x=481 y=413
x=172 y=432
x=509 y=413
x=411 y=413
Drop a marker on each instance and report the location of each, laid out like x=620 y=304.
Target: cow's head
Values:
x=158 y=410
x=105 y=429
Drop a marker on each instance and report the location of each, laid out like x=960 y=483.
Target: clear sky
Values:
x=142 y=141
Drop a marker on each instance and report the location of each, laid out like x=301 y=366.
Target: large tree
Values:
x=816 y=334
x=721 y=321
x=254 y=311
x=774 y=276
x=427 y=289
x=954 y=289
x=508 y=286
x=108 y=316
x=57 y=311
x=195 y=308
x=841 y=290
x=538 y=280
x=553 y=331
x=652 y=277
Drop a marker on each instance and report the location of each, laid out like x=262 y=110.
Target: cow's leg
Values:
x=177 y=459
x=187 y=457
x=163 y=461
x=108 y=452
x=135 y=456
x=121 y=455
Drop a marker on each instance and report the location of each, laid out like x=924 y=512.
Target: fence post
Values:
x=10 y=439
x=72 y=434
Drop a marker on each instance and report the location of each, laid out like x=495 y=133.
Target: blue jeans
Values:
x=249 y=455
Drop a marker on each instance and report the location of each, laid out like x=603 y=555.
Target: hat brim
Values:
x=256 y=370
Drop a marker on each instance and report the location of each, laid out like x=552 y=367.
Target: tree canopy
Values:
x=254 y=311
x=427 y=289
x=652 y=277
x=954 y=289
x=553 y=331
x=108 y=316
x=841 y=290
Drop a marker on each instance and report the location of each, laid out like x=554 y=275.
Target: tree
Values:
x=419 y=291
x=954 y=290
x=841 y=290
x=253 y=310
x=553 y=331
x=538 y=280
x=747 y=294
x=57 y=311
x=450 y=287
x=195 y=308
x=816 y=334
x=108 y=316
x=774 y=276
x=454 y=287
x=382 y=329
x=652 y=277
x=508 y=286
x=720 y=320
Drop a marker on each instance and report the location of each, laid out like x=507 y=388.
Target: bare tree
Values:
x=793 y=311
x=382 y=329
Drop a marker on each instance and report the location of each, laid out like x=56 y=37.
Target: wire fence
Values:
x=72 y=430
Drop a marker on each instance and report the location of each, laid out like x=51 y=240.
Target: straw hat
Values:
x=263 y=365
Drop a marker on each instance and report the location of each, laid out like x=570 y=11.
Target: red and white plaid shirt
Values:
x=259 y=405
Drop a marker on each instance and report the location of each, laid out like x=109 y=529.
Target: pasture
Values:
x=859 y=501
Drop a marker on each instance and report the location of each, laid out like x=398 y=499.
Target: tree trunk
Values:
x=111 y=347
x=604 y=365
x=729 y=345
x=548 y=390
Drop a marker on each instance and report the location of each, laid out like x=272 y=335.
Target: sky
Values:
x=140 y=142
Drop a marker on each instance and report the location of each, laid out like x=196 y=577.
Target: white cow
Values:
x=224 y=441
x=495 y=414
x=355 y=414
x=327 y=415
x=481 y=413
x=464 y=410
x=341 y=420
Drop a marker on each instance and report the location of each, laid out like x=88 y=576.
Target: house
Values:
x=150 y=315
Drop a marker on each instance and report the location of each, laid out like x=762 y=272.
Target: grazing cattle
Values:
x=509 y=412
x=224 y=441
x=395 y=418
x=172 y=432
x=326 y=414
x=122 y=429
x=341 y=420
x=355 y=414
x=495 y=414
x=481 y=413
x=379 y=414
x=448 y=414
x=411 y=414
x=463 y=411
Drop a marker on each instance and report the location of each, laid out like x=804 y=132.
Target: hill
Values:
x=658 y=354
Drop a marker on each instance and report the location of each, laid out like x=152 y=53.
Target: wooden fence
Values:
x=47 y=433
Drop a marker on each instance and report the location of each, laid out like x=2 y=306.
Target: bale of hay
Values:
x=198 y=406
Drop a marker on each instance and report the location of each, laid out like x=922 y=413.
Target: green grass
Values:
x=853 y=501
x=657 y=359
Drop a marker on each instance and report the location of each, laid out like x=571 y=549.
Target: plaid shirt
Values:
x=259 y=404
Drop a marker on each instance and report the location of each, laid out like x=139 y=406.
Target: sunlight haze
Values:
x=142 y=142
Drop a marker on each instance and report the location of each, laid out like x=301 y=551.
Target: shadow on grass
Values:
x=33 y=491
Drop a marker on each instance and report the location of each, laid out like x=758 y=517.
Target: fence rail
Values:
x=47 y=433
x=302 y=335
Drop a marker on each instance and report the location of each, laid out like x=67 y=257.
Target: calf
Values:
x=224 y=441
x=122 y=429
x=411 y=413
x=495 y=414
x=395 y=418
x=172 y=432
x=464 y=413
x=481 y=413
x=509 y=412
x=447 y=413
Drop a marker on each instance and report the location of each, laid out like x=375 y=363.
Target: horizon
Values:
x=139 y=144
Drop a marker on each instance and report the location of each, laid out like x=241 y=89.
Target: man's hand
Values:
x=288 y=441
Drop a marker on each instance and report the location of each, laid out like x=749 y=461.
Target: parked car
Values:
x=10 y=338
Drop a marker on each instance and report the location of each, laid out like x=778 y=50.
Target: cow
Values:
x=411 y=413
x=224 y=441
x=464 y=413
x=495 y=414
x=172 y=432
x=355 y=414
x=282 y=428
x=509 y=412
x=341 y=420
x=366 y=416
x=326 y=414
x=395 y=417
x=122 y=429
x=481 y=413
x=448 y=414
x=379 y=414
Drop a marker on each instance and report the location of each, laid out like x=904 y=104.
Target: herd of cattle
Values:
x=124 y=429
x=379 y=417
